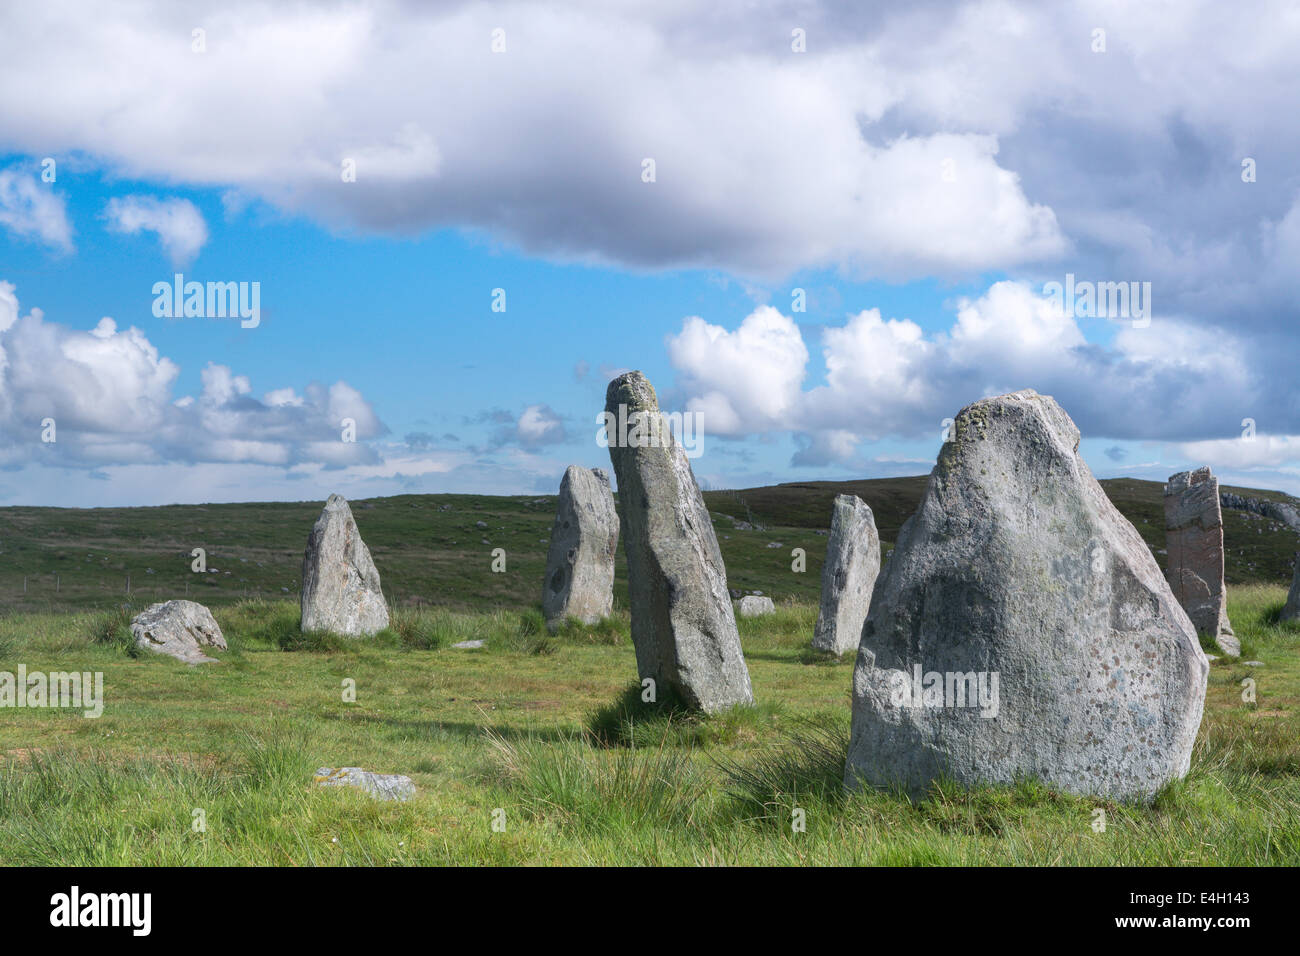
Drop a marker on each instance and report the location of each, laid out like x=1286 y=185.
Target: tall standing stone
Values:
x=1022 y=627
x=849 y=574
x=1194 y=539
x=584 y=540
x=341 y=592
x=1291 y=611
x=683 y=624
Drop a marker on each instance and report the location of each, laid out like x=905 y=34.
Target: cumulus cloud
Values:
x=31 y=209
x=177 y=223
x=538 y=425
x=740 y=381
x=1255 y=452
x=889 y=378
x=110 y=394
x=762 y=163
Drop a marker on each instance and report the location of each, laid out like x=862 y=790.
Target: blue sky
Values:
x=912 y=181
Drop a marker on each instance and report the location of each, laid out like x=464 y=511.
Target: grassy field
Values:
x=546 y=732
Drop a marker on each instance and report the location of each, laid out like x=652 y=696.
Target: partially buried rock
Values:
x=579 y=579
x=1022 y=627
x=754 y=606
x=683 y=624
x=340 y=585
x=849 y=574
x=381 y=786
x=179 y=629
x=1194 y=533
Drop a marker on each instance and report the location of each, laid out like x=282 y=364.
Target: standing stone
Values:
x=1018 y=587
x=340 y=586
x=1194 y=536
x=849 y=574
x=180 y=629
x=584 y=540
x=1291 y=612
x=683 y=624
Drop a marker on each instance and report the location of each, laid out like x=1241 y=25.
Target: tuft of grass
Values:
x=612 y=631
x=591 y=789
x=804 y=765
x=530 y=636
x=417 y=631
x=113 y=628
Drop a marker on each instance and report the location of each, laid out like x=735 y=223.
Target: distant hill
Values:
x=1257 y=548
x=430 y=550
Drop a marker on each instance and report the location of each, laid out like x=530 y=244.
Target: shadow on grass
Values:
x=632 y=722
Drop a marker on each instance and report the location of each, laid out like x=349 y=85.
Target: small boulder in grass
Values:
x=381 y=786
x=179 y=629
x=753 y=606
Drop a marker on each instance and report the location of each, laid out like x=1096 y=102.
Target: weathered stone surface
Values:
x=1194 y=536
x=1017 y=567
x=579 y=579
x=1291 y=611
x=381 y=786
x=753 y=605
x=849 y=574
x=683 y=624
x=179 y=629
x=341 y=592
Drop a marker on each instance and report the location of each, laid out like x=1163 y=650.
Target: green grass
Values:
x=550 y=731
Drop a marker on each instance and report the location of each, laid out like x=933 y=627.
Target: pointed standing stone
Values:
x=340 y=585
x=1291 y=612
x=849 y=574
x=1022 y=627
x=1194 y=536
x=683 y=624
x=584 y=540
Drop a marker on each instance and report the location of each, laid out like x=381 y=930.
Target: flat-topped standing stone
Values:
x=849 y=574
x=683 y=624
x=180 y=629
x=1018 y=583
x=340 y=585
x=1291 y=612
x=584 y=540
x=1194 y=536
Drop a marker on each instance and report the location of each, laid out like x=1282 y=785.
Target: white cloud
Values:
x=179 y=225
x=539 y=425
x=31 y=209
x=110 y=393
x=1263 y=451
x=887 y=377
x=744 y=380
x=763 y=167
